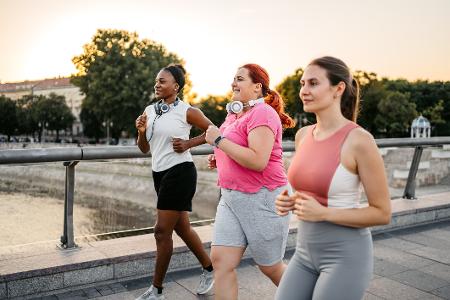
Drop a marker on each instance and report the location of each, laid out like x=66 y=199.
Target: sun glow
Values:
x=214 y=38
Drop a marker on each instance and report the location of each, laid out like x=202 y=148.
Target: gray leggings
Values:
x=330 y=262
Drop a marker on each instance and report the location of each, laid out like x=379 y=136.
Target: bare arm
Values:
x=371 y=171
x=257 y=154
x=194 y=117
x=141 y=126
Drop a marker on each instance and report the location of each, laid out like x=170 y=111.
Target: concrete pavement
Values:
x=411 y=263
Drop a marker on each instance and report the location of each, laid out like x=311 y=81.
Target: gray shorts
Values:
x=249 y=219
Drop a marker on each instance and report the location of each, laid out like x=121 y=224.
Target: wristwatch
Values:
x=217 y=141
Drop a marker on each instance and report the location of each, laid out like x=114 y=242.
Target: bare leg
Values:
x=165 y=224
x=225 y=261
x=185 y=231
x=274 y=272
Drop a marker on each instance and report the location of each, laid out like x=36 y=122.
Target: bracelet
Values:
x=218 y=140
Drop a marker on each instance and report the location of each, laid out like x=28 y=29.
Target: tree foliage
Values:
x=372 y=90
x=52 y=113
x=289 y=89
x=432 y=99
x=8 y=120
x=116 y=73
x=427 y=96
x=29 y=119
x=397 y=112
x=32 y=114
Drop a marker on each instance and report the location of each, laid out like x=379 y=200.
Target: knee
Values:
x=162 y=234
x=215 y=260
x=182 y=231
x=221 y=264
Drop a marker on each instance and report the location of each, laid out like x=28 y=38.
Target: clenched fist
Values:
x=141 y=123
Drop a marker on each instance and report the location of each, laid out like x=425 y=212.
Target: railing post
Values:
x=67 y=239
x=410 y=189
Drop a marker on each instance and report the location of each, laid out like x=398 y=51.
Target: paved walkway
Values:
x=409 y=264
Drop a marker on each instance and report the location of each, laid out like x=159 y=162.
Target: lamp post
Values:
x=32 y=88
x=107 y=124
x=40 y=132
x=42 y=126
x=301 y=120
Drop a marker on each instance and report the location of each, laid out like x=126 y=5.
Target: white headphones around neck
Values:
x=236 y=107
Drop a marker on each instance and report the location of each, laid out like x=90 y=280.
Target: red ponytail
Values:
x=259 y=75
x=274 y=99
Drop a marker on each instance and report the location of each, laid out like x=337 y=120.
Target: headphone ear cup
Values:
x=236 y=107
x=157 y=108
x=164 y=108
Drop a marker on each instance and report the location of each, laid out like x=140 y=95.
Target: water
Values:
x=112 y=199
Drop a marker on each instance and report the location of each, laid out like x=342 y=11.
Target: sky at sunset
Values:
x=393 y=38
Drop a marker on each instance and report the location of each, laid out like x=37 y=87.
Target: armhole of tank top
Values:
x=342 y=145
x=187 y=107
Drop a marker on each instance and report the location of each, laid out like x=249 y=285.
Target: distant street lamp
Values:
x=107 y=124
x=42 y=126
x=301 y=120
x=33 y=86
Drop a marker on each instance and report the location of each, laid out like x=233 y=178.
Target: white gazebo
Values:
x=420 y=127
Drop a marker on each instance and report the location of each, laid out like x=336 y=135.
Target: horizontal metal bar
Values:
x=112 y=152
x=413 y=142
x=38 y=155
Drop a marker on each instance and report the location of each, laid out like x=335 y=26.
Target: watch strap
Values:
x=218 y=140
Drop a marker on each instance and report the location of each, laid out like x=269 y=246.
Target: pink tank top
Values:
x=316 y=169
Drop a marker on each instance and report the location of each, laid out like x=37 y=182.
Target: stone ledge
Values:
x=37 y=274
x=408 y=213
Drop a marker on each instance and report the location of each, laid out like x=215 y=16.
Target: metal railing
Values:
x=71 y=156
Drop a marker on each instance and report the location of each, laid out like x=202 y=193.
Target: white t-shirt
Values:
x=172 y=124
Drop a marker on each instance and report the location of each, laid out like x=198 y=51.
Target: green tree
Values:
x=8 y=122
x=372 y=91
x=214 y=109
x=116 y=72
x=55 y=112
x=289 y=89
x=434 y=113
x=426 y=95
x=28 y=122
x=92 y=126
x=397 y=112
x=39 y=112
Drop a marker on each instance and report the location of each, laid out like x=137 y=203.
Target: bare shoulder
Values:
x=301 y=133
x=196 y=117
x=361 y=141
x=194 y=110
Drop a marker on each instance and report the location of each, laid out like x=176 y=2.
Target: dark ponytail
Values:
x=337 y=71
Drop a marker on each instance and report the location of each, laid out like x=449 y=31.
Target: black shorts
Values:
x=175 y=187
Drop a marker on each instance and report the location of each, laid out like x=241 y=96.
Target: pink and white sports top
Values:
x=316 y=170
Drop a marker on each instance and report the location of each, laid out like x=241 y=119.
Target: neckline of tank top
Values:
x=171 y=104
x=332 y=135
